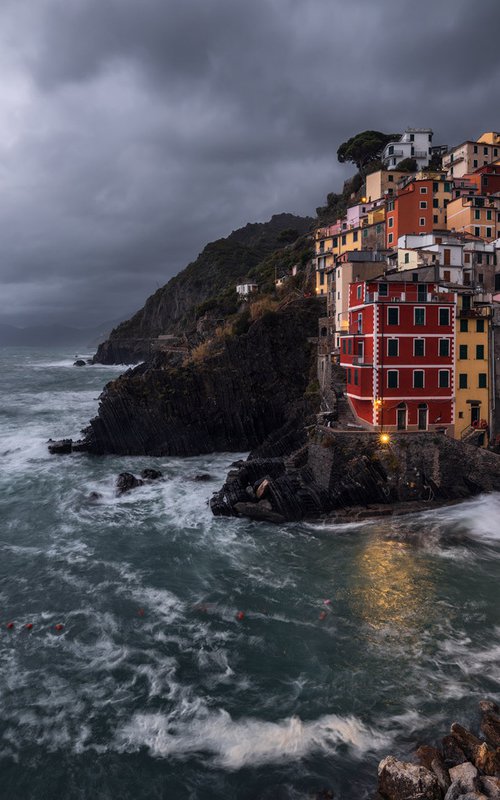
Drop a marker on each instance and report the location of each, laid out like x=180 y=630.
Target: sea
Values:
x=149 y=650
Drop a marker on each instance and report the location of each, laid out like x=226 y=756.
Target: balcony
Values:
x=359 y=361
x=474 y=313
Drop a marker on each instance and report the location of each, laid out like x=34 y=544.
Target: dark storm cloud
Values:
x=135 y=131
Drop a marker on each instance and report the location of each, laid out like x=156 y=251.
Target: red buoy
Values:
x=10 y=625
x=29 y=626
x=322 y=615
x=59 y=627
x=240 y=615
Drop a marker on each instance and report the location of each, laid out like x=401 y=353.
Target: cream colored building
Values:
x=470 y=155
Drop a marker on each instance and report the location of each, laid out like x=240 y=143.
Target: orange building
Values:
x=476 y=215
x=420 y=207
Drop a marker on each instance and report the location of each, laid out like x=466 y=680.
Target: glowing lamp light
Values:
x=385 y=438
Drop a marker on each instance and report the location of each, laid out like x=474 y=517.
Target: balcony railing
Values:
x=473 y=313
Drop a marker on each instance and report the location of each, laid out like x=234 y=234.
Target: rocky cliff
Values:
x=338 y=471
x=245 y=389
x=218 y=268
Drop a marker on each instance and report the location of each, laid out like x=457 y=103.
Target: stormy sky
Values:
x=132 y=132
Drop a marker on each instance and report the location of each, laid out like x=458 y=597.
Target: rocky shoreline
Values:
x=464 y=767
x=343 y=476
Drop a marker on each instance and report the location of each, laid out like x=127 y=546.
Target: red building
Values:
x=420 y=207
x=399 y=354
x=486 y=179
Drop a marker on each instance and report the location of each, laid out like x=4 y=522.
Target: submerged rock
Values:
x=80 y=363
x=151 y=474
x=127 y=481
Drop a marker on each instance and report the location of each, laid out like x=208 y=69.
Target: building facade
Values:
x=413 y=143
x=399 y=355
x=473 y=404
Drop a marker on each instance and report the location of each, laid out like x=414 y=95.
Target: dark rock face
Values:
x=398 y=780
x=341 y=470
x=126 y=481
x=61 y=447
x=252 y=388
x=80 y=363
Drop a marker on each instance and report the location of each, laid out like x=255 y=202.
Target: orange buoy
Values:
x=322 y=615
x=10 y=625
x=59 y=627
x=240 y=615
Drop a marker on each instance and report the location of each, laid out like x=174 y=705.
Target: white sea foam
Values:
x=234 y=744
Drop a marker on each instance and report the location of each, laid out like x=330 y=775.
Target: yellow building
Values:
x=476 y=215
x=382 y=181
x=491 y=137
x=472 y=369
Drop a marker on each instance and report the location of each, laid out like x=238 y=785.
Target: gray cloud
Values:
x=132 y=133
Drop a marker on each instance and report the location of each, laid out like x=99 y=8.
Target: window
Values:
x=418 y=379
x=435 y=187
x=488 y=215
x=358 y=292
x=343 y=346
x=336 y=242
x=393 y=347
x=383 y=289
x=444 y=316
x=477 y=231
x=435 y=219
x=390 y=238
x=355 y=236
x=480 y=326
x=446 y=275
x=423 y=190
x=444 y=348
x=467 y=258
x=475 y=163
x=355 y=377
x=443 y=379
x=419 y=347
x=480 y=351
x=365 y=233
x=485 y=151
x=423 y=204
x=462 y=380
x=475 y=148
x=462 y=351
x=421 y=222
x=435 y=203
x=482 y=380
x=393 y=316
x=480 y=277
x=391 y=179
x=343 y=239
x=419 y=316
x=447 y=188
x=477 y=213
x=392 y=378
x=464 y=325
x=360 y=323
x=488 y=233
x=349 y=347
x=348 y=376
x=391 y=222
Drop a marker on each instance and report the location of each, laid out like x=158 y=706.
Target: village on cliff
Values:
x=411 y=281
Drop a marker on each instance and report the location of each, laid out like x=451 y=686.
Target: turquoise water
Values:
x=154 y=689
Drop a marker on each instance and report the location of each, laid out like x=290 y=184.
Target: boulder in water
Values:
x=399 y=780
x=61 y=447
x=80 y=363
x=202 y=477
x=151 y=474
x=126 y=481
